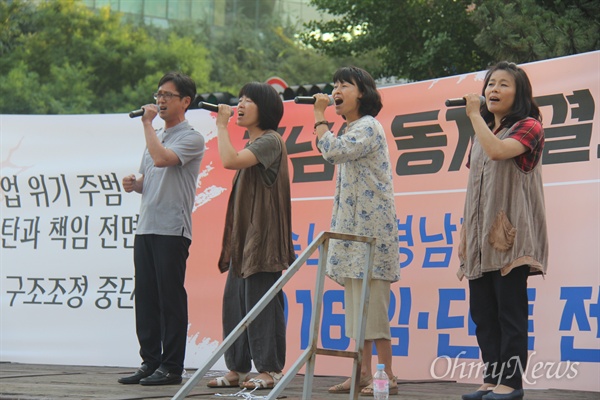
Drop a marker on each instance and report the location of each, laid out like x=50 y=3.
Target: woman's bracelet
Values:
x=324 y=122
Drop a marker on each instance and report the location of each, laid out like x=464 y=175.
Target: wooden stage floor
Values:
x=33 y=381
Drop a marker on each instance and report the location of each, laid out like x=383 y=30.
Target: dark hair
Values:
x=370 y=102
x=184 y=84
x=268 y=101
x=524 y=105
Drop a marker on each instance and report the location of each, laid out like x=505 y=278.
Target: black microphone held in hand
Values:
x=310 y=100
x=462 y=102
x=210 y=107
x=136 y=113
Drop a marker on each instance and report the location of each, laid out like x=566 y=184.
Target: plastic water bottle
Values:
x=381 y=384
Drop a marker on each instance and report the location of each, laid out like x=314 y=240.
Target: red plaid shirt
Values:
x=530 y=133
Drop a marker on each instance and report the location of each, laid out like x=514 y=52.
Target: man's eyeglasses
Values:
x=167 y=96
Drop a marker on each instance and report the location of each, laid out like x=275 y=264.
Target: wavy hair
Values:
x=524 y=105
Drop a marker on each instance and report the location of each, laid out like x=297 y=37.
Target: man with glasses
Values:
x=169 y=173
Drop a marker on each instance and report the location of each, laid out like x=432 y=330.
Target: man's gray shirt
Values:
x=168 y=193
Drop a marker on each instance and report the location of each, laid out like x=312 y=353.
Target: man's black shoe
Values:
x=161 y=377
x=141 y=373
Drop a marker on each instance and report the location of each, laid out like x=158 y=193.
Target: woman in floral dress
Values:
x=363 y=205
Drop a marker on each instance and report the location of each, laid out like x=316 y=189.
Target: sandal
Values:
x=393 y=385
x=223 y=382
x=341 y=388
x=258 y=383
x=393 y=388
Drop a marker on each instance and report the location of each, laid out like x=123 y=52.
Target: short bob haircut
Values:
x=184 y=84
x=524 y=105
x=268 y=101
x=370 y=102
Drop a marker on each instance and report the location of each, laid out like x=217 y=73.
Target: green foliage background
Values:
x=59 y=57
x=427 y=39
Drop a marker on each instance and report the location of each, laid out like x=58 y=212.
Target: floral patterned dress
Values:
x=363 y=203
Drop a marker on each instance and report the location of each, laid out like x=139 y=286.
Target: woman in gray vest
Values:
x=257 y=238
x=503 y=236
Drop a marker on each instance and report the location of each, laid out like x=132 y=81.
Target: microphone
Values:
x=462 y=102
x=211 y=107
x=310 y=100
x=136 y=113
